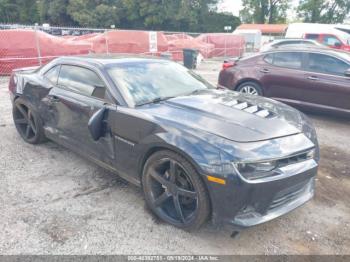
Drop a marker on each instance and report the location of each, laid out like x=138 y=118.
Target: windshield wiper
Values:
x=156 y=100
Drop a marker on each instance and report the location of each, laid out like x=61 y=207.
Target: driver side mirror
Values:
x=347 y=73
x=337 y=45
x=96 y=125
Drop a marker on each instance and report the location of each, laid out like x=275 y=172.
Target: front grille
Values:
x=249 y=108
x=295 y=159
x=287 y=196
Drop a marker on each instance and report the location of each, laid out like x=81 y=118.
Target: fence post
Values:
x=225 y=45
x=106 y=37
x=37 y=44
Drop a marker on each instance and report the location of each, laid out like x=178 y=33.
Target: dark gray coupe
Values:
x=198 y=152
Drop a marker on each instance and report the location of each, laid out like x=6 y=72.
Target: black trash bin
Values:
x=190 y=57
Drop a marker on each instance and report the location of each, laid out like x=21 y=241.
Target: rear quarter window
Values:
x=288 y=59
x=52 y=74
x=268 y=58
x=81 y=80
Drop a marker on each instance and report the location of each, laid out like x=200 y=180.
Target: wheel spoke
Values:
x=161 y=199
x=28 y=131
x=172 y=171
x=187 y=193
x=178 y=208
x=32 y=126
x=22 y=111
x=158 y=177
x=21 y=121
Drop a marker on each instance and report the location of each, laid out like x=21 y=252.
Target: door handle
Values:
x=313 y=78
x=265 y=71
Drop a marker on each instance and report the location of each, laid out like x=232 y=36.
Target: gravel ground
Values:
x=52 y=201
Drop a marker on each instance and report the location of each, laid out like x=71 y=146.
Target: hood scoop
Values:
x=249 y=108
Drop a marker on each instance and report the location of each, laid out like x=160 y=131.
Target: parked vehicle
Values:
x=330 y=40
x=316 y=78
x=197 y=152
x=252 y=38
x=330 y=35
x=287 y=42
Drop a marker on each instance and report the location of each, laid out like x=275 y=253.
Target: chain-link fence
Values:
x=27 y=46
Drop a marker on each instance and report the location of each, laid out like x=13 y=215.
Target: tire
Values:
x=251 y=88
x=170 y=183
x=28 y=122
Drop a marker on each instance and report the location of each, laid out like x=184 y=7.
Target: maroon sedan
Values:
x=313 y=78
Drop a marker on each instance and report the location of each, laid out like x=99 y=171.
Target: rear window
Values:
x=52 y=74
x=288 y=60
x=312 y=36
x=288 y=43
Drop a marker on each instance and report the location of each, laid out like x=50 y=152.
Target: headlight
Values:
x=256 y=170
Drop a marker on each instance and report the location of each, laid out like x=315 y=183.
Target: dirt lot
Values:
x=52 y=201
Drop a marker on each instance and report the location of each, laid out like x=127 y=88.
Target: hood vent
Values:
x=249 y=108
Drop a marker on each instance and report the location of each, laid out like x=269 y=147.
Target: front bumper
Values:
x=243 y=203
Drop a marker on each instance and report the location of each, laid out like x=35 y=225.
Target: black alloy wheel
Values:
x=27 y=122
x=174 y=191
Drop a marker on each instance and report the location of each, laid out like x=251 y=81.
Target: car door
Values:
x=282 y=75
x=79 y=93
x=327 y=83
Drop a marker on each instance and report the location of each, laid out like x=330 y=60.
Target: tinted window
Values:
x=52 y=74
x=81 y=80
x=327 y=64
x=288 y=59
x=312 y=36
x=331 y=40
x=269 y=58
x=288 y=43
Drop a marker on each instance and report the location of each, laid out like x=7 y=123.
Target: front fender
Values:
x=204 y=157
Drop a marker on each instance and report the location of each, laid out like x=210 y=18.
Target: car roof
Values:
x=293 y=39
x=312 y=49
x=106 y=59
x=302 y=48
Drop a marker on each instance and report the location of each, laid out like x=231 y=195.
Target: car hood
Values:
x=231 y=115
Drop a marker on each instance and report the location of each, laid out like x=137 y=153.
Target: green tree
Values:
x=93 y=13
x=18 y=11
x=216 y=22
x=324 y=11
x=54 y=12
x=264 y=11
x=170 y=15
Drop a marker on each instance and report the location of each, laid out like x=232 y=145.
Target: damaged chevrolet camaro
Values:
x=198 y=152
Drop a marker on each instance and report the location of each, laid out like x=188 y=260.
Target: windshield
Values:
x=145 y=81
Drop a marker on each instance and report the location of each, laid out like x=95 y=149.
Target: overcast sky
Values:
x=235 y=5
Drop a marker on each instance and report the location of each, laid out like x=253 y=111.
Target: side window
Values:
x=327 y=64
x=269 y=58
x=81 y=80
x=331 y=40
x=52 y=74
x=312 y=36
x=288 y=59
